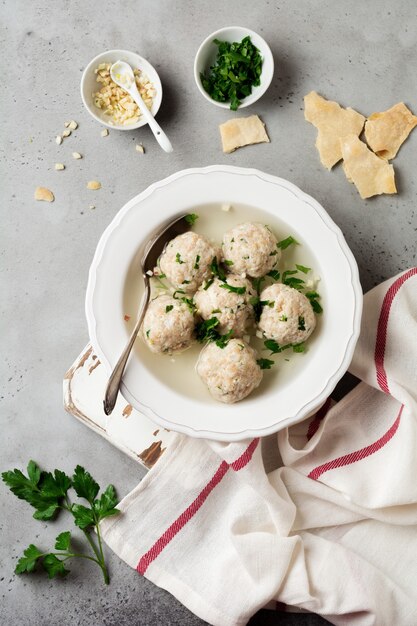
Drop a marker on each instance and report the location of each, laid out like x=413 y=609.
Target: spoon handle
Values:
x=113 y=385
x=159 y=134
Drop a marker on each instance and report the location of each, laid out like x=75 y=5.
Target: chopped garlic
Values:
x=59 y=166
x=140 y=148
x=66 y=133
x=42 y=193
x=104 y=132
x=93 y=184
x=72 y=125
x=58 y=139
x=76 y=155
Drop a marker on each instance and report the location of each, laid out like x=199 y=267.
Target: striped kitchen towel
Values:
x=323 y=516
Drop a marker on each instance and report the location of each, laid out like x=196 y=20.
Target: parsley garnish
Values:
x=299 y=347
x=169 y=308
x=283 y=245
x=228 y=262
x=178 y=258
x=265 y=364
x=186 y=282
x=303 y=268
x=205 y=331
x=48 y=494
x=283 y=318
x=238 y=290
x=223 y=340
x=238 y=68
x=208 y=283
x=274 y=274
x=312 y=296
x=301 y=323
x=257 y=283
x=191 y=218
x=288 y=279
x=258 y=305
x=274 y=347
x=217 y=270
x=147 y=333
x=197 y=260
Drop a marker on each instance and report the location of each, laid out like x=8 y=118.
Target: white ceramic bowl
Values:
x=115 y=282
x=207 y=53
x=89 y=85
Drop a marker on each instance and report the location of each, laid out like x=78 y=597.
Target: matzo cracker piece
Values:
x=333 y=122
x=242 y=131
x=385 y=132
x=370 y=174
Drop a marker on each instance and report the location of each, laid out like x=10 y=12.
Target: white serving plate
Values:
x=113 y=270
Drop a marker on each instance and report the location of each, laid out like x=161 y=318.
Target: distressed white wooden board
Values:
x=126 y=428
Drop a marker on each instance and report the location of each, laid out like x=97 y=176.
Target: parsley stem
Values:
x=104 y=568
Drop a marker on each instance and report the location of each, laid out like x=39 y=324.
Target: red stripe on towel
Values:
x=358 y=455
x=319 y=416
x=381 y=336
x=191 y=510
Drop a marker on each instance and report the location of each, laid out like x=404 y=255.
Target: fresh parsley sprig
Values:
x=47 y=493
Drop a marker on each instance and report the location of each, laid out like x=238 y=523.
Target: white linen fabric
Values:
x=331 y=529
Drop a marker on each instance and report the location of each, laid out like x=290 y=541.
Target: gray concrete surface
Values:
x=360 y=53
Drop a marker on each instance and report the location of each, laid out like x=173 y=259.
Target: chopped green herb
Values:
x=228 y=262
x=274 y=274
x=312 y=296
x=208 y=283
x=237 y=69
x=147 y=332
x=283 y=318
x=160 y=276
x=174 y=295
x=286 y=242
x=206 y=330
x=257 y=283
x=190 y=303
x=299 y=347
x=274 y=347
x=216 y=311
x=274 y=253
x=186 y=282
x=178 y=258
x=197 y=260
x=169 y=308
x=217 y=270
x=303 y=268
x=223 y=340
x=191 y=218
x=238 y=290
x=265 y=364
x=301 y=323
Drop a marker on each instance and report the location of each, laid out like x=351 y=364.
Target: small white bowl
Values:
x=207 y=54
x=89 y=85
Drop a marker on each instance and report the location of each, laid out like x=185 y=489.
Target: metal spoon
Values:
x=148 y=263
x=122 y=74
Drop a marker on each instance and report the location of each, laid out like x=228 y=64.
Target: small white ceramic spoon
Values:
x=122 y=75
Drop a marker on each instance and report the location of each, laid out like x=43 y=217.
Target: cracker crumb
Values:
x=72 y=125
x=104 y=132
x=92 y=206
x=58 y=139
x=59 y=166
x=93 y=184
x=66 y=133
x=66 y=124
x=140 y=148
x=42 y=193
x=76 y=155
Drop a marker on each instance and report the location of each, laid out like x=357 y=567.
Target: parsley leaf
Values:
x=301 y=323
x=274 y=274
x=84 y=484
x=83 y=516
x=178 y=259
x=28 y=561
x=54 y=566
x=312 y=296
x=191 y=218
x=299 y=347
x=223 y=340
x=217 y=270
x=228 y=262
x=169 y=308
x=63 y=541
x=265 y=364
x=106 y=505
x=283 y=245
x=303 y=268
x=205 y=330
x=197 y=261
x=238 y=290
x=274 y=347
